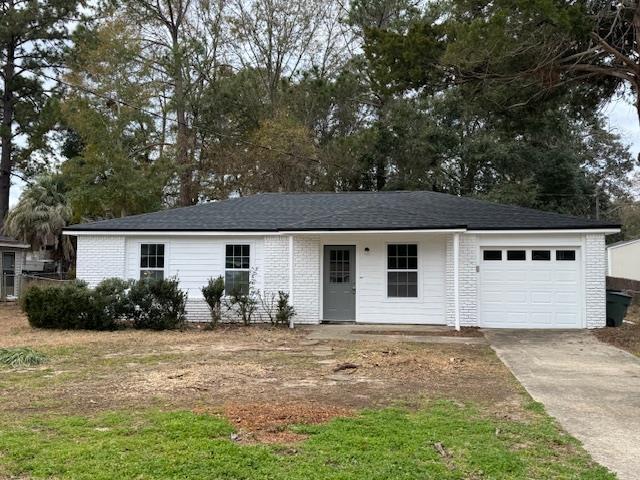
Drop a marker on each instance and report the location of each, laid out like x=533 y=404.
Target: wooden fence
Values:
x=630 y=287
x=12 y=285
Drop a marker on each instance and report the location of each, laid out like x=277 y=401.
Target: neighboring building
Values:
x=383 y=257
x=623 y=259
x=13 y=256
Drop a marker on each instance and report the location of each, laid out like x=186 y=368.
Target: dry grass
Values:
x=241 y=371
x=627 y=336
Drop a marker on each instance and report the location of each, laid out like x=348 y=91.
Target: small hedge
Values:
x=149 y=303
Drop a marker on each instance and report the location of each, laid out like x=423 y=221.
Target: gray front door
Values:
x=339 y=288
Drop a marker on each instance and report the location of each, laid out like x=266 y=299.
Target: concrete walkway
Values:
x=592 y=389
x=392 y=333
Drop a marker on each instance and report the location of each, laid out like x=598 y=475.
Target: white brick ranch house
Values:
x=383 y=257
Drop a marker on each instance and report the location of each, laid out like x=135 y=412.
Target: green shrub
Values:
x=69 y=306
x=149 y=303
x=21 y=357
x=213 y=293
x=113 y=295
x=157 y=304
x=284 y=310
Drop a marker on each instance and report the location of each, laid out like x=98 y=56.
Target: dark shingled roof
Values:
x=345 y=211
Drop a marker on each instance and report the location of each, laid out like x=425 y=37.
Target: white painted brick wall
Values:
x=306 y=279
x=595 y=280
x=468 y=281
x=276 y=263
x=99 y=257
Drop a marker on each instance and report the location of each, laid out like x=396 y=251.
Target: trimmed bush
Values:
x=157 y=304
x=150 y=303
x=113 y=294
x=68 y=306
x=284 y=310
x=213 y=293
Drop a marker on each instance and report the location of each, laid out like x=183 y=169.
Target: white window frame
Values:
x=388 y=270
x=153 y=269
x=233 y=269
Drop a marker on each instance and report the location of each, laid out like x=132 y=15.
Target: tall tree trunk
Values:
x=6 y=133
x=182 y=137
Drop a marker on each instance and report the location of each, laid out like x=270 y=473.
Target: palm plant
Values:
x=40 y=215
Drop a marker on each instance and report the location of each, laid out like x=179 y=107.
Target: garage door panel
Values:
x=530 y=294
x=567 y=298
x=565 y=276
x=542 y=298
x=542 y=318
x=515 y=297
x=540 y=275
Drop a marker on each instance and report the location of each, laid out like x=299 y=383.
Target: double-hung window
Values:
x=237 y=269
x=402 y=270
x=152 y=260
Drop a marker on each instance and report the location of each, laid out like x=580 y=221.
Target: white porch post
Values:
x=291 y=276
x=456 y=279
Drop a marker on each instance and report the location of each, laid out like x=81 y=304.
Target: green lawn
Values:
x=382 y=444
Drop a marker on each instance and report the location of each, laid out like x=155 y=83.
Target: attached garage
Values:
x=536 y=287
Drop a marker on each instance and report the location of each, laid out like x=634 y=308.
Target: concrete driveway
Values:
x=592 y=389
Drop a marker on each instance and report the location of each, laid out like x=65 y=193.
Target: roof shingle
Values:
x=414 y=210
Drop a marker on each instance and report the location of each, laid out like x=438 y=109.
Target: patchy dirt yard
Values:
x=261 y=378
x=627 y=336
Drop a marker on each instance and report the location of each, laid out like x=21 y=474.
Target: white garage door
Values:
x=530 y=288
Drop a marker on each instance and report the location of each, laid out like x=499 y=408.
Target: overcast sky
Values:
x=623 y=119
x=622 y=115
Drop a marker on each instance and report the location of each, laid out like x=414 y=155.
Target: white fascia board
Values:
x=166 y=233
x=605 y=231
x=377 y=232
x=141 y=233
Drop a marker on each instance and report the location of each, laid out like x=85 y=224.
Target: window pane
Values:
x=229 y=251
x=151 y=255
x=236 y=282
x=565 y=255
x=155 y=274
x=402 y=284
x=245 y=250
x=492 y=255
x=541 y=255
x=402 y=257
x=516 y=255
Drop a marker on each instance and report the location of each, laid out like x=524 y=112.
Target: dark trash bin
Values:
x=617 y=303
